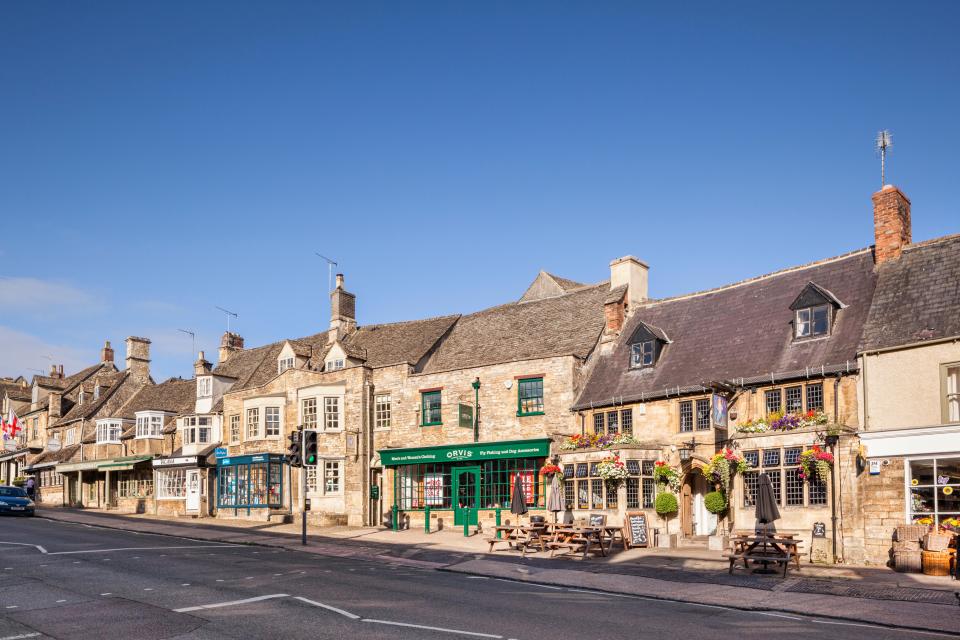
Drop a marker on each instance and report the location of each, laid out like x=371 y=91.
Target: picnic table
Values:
x=757 y=552
x=522 y=537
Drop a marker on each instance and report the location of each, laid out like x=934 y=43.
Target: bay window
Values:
x=108 y=432
x=150 y=426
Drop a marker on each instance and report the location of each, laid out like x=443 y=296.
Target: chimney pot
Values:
x=229 y=343
x=106 y=354
x=343 y=312
x=891 y=224
x=339 y=281
x=201 y=367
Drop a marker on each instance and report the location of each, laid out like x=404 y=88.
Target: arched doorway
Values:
x=695 y=520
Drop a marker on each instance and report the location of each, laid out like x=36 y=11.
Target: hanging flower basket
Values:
x=664 y=474
x=816 y=461
x=721 y=468
x=612 y=470
x=550 y=469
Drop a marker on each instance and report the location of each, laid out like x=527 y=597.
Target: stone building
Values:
x=909 y=468
x=14 y=394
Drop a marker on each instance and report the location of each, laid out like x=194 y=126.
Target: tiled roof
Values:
x=546 y=285
x=15 y=390
x=742 y=330
x=568 y=324
x=917 y=297
x=398 y=342
x=173 y=395
x=112 y=381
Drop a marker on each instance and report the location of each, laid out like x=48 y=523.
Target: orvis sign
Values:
x=539 y=448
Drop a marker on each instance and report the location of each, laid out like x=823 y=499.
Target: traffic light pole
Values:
x=303 y=489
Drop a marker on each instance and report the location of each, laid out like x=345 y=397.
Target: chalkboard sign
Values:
x=819 y=530
x=635 y=532
x=597 y=519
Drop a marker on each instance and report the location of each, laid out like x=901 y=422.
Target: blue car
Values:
x=14 y=501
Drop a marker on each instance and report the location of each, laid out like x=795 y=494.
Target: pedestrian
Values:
x=30 y=487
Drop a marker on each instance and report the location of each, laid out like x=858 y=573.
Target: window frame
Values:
x=204 y=387
x=236 y=429
x=171 y=478
x=149 y=426
x=317 y=477
x=681 y=414
x=641 y=352
x=778 y=473
x=332 y=419
x=382 y=411
x=252 y=434
x=533 y=380
x=946 y=395
x=109 y=428
x=276 y=424
x=424 y=396
x=811 y=322
x=309 y=414
x=286 y=363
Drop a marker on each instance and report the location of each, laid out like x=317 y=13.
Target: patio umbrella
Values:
x=518 y=502
x=555 y=497
x=766 y=502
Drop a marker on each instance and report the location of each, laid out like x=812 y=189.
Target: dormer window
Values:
x=204 y=387
x=80 y=397
x=150 y=426
x=333 y=365
x=108 y=432
x=642 y=353
x=285 y=363
x=813 y=321
x=96 y=392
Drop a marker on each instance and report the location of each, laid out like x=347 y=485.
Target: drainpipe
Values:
x=833 y=471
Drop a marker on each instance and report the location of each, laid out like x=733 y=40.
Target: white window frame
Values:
x=335 y=365
x=252 y=423
x=308 y=413
x=204 y=387
x=149 y=425
x=71 y=437
x=332 y=419
x=171 y=484
x=803 y=328
x=236 y=430
x=320 y=470
x=268 y=423
x=109 y=431
x=286 y=363
x=642 y=353
x=382 y=411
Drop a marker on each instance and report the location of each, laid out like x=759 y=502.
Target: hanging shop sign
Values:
x=538 y=448
x=719 y=411
x=465 y=415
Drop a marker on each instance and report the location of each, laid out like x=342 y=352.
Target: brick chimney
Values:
x=201 y=367
x=343 y=312
x=229 y=343
x=54 y=405
x=891 y=223
x=106 y=354
x=56 y=371
x=138 y=357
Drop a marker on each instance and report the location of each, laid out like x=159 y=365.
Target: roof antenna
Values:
x=193 y=339
x=884 y=141
x=330 y=265
x=229 y=313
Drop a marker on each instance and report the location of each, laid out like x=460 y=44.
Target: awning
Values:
x=42 y=465
x=472 y=452
x=79 y=466
x=122 y=464
x=912 y=442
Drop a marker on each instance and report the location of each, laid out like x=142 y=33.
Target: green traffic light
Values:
x=311 y=460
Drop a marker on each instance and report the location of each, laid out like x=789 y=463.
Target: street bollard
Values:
x=426 y=519
x=499 y=533
x=466 y=522
x=396 y=518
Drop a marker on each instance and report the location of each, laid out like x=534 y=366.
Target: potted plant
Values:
x=833 y=436
x=665 y=506
x=716 y=503
x=549 y=469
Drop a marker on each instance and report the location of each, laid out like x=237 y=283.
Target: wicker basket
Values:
x=912 y=532
x=937 y=541
x=906 y=545
x=936 y=563
x=907 y=561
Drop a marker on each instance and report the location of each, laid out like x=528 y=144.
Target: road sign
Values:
x=220 y=452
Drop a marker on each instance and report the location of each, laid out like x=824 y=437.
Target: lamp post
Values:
x=686 y=449
x=476 y=409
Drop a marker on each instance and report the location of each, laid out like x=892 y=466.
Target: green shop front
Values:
x=246 y=483
x=463 y=483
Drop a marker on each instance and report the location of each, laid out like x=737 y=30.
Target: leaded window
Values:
x=703 y=414
x=598 y=424
x=774 y=400
x=783 y=468
x=613 y=428
x=794 y=396
x=626 y=421
x=815 y=397
x=530 y=396
x=686 y=415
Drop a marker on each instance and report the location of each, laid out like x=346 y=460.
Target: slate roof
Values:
x=112 y=381
x=917 y=296
x=739 y=331
x=568 y=324
x=398 y=342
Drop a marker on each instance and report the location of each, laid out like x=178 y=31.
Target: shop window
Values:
x=626 y=421
x=235 y=428
x=308 y=413
x=171 y=484
x=530 y=397
x=794 y=399
x=598 y=424
x=951 y=392
x=703 y=414
x=130 y=486
x=271 y=421
x=686 y=415
x=418 y=486
x=253 y=423
x=430 y=408
x=815 y=397
x=934 y=491
x=773 y=400
x=331 y=414
x=381 y=411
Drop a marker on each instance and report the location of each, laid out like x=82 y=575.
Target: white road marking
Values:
x=421 y=626
x=12 y=606
x=148 y=589
x=185 y=584
x=477 y=578
x=106 y=594
x=204 y=546
x=776 y=615
x=24 y=544
x=328 y=607
x=61 y=600
x=231 y=603
x=21 y=636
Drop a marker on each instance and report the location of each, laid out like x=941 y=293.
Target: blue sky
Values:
x=159 y=160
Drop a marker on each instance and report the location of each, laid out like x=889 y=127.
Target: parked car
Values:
x=14 y=501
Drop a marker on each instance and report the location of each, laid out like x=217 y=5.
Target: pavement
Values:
x=865 y=597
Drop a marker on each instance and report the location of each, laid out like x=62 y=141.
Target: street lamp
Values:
x=476 y=409
x=687 y=449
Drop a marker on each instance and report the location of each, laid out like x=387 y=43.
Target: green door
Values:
x=466 y=494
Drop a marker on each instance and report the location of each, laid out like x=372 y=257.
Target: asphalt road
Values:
x=67 y=581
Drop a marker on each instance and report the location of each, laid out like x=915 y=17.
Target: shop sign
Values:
x=465 y=414
x=719 y=411
x=172 y=462
x=220 y=452
x=260 y=457
x=539 y=448
x=819 y=530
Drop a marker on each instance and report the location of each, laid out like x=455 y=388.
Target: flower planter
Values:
x=718 y=543
x=668 y=541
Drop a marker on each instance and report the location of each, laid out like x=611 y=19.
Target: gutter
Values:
x=909 y=345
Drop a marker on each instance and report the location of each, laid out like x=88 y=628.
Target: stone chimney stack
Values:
x=106 y=354
x=891 y=224
x=54 y=406
x=630 y=272
x=56 y=371
x=229 y=343
x=343 y=312
x=201 y=367
x=138 y=357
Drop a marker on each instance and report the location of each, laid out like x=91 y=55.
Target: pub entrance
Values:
x=695 y=520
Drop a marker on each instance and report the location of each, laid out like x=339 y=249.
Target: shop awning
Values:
x=473 y=452
x=79 y=466
x=42 y=465
x=911 y=442
x=122 y=464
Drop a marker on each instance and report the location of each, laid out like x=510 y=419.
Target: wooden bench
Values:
x=771 y=558
x=573 y=543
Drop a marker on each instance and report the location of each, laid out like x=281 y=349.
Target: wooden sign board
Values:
x=635 y=530
x=597 y=520
x=819 y=530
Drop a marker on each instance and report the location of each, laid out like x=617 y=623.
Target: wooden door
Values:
x=686 y=509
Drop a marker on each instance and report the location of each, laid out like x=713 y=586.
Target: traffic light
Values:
x=294 y=451
x=310 y=448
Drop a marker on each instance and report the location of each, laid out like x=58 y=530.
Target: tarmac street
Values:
x=75 y=581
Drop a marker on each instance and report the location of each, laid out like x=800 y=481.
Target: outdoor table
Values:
x=764 y=550
x=511 y=535
x=611 y=532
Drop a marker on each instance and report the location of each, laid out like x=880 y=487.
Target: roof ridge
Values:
x=765 y=276
x=399 y=322
x=932 y=241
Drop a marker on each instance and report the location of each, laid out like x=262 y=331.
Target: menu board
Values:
x=635 y=531
x=597 y=519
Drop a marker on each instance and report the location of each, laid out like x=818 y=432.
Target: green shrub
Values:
x=715 y=502
x=666 y=504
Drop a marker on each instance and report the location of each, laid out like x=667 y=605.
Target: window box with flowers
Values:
x=779 y=421
x=595 y=441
